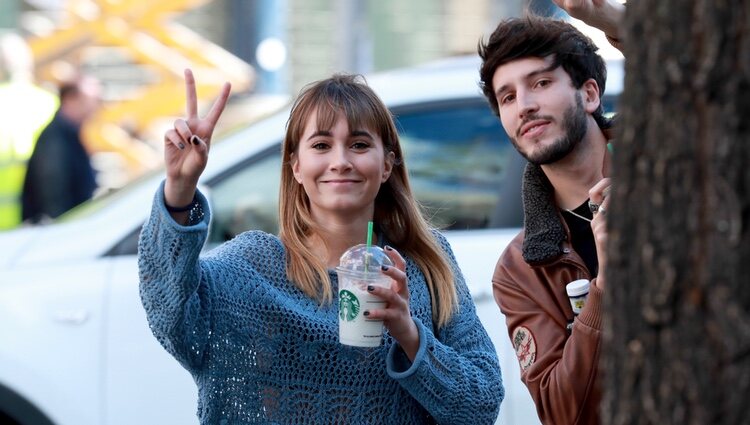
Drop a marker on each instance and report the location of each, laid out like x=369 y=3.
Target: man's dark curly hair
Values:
x=534 y=36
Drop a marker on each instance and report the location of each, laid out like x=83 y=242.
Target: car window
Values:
x=463 y=170
x=459 y=161
x=456 y=152
x=247 y=198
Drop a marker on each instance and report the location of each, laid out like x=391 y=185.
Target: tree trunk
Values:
x=677 y=327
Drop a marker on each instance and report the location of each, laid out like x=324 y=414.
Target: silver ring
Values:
x=601 y=210
x=593 y=207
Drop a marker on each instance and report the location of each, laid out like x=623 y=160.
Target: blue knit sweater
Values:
x=261 y=351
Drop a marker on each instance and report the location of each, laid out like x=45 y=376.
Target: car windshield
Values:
x=91 y=207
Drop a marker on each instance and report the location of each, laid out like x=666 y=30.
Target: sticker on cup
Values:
x=577 y=291
x=358 y=268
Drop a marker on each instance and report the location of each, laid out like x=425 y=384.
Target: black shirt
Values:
x=582 y=237
x=59 y=174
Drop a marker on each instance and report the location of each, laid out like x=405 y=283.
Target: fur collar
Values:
x=544 y=231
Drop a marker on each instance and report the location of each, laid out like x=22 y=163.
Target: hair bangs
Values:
x=347 y=101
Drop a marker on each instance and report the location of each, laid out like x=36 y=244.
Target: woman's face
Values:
x=341 y=169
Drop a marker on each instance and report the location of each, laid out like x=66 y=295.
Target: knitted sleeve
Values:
x=174 y=292
x=455 y=376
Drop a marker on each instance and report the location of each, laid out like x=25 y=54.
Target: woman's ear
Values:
x=295 y=167
x=390 y=158
x=591 y=96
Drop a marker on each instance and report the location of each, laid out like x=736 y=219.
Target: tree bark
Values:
x=677 y=327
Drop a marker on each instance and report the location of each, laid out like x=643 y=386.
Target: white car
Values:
x=75 y=348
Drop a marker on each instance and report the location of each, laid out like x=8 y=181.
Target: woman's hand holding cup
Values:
x=396 y=315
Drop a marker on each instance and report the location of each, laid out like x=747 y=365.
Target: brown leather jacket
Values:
x=558 y=363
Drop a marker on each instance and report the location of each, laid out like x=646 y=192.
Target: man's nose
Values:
x=527 y=104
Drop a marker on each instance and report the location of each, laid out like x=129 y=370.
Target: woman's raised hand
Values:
x=186 y=145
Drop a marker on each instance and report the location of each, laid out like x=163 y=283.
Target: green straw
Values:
x=369 y=244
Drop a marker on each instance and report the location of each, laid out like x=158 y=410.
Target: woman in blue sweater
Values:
x=255 y=320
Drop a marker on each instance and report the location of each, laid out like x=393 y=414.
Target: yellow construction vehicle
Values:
x=144 y=32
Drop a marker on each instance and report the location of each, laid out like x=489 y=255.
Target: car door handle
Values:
x=72 y=317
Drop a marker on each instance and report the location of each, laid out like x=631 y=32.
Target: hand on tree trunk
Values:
x=607 y=15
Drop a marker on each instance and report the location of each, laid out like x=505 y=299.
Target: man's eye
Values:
x=543 y=83
x=507 y=99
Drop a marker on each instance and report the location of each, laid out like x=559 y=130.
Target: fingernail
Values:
x=388 y=248
x=366 y=313
x=384 y=268
x=370 y=288
x=181 y=146
x=195 y=139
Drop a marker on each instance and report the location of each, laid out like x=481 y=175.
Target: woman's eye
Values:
x=360 y=145
x=320 y=146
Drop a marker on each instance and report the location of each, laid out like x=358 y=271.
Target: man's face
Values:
x=89 y=97
x=543 y=114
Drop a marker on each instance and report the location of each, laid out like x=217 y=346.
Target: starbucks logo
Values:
x=348 y=305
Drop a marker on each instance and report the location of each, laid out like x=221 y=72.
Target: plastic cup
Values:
x=577 y=291
x=358 y=268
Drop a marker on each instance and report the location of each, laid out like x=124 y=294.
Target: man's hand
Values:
x=606 y=15
x=598 y=196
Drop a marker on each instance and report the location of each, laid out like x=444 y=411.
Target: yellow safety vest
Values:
x=24 y=112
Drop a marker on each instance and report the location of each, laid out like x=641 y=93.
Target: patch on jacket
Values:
x=523 y=342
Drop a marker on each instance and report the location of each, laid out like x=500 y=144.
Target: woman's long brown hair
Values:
x=396 y=212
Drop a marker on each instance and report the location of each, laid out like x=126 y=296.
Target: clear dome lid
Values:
x=578 y=287
x=361 y=259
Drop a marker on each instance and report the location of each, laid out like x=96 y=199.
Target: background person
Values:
x=544 y=79
x=253 y=321
x=25 y=109
x=59 y=174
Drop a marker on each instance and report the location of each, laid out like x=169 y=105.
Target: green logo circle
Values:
x=348 y=305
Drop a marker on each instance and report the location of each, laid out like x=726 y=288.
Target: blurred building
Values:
x=265 y=47
x=324 y=36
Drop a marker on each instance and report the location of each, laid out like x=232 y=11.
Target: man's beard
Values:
x=574 y=125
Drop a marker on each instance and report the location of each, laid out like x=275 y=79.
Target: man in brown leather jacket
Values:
x=544 y=80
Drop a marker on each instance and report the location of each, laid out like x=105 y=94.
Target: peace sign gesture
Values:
x=186 y=145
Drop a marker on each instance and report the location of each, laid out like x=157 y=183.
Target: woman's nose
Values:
x=340 y=160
